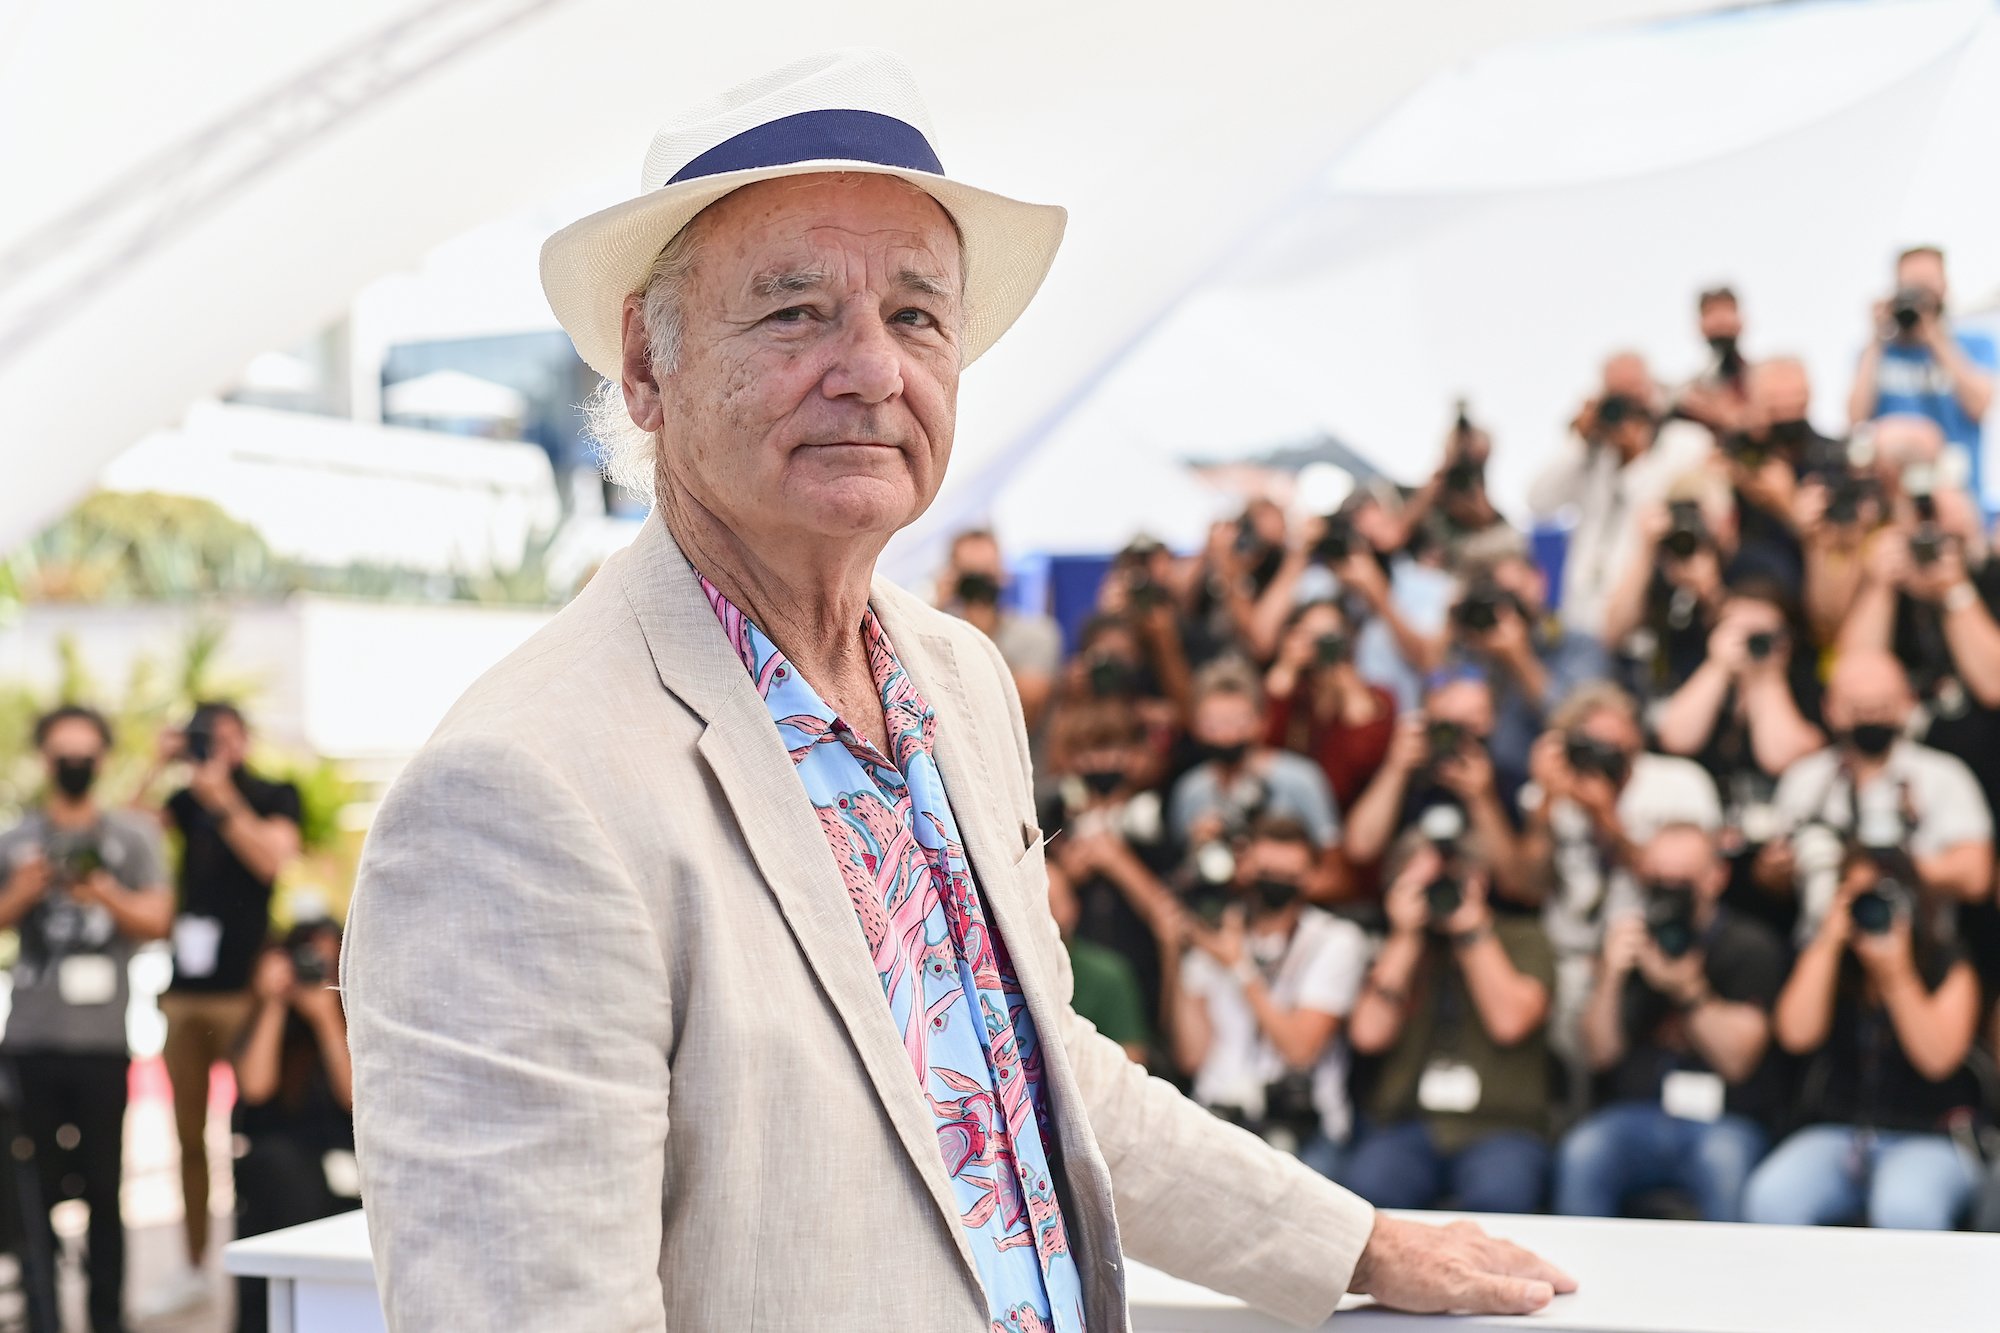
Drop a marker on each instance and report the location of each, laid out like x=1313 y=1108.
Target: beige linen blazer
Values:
x=621 y=1058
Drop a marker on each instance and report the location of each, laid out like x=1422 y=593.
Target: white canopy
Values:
x=192 y=184
x=1528 y=211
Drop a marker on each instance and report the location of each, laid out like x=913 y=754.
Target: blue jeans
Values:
x=1838 y=1173
x=1630 y=1147
x=1322 y=1154
x=1399 y=1166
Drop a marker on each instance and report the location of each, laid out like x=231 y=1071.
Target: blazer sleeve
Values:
x=1196 y=1196
x=509 y=1017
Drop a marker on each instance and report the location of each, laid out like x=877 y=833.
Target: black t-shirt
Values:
x=1743 y=963
x=1959 y=727
x=303 y=1107
x=217 y=887
x=1861 y=1076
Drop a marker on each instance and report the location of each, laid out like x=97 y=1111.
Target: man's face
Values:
x=72 y=738
x=1272 y=858
x=1721 y=319
x=232 y=741
x=1864 y=692
x=1469 y=703
x=1526 y=581
x=1613 y=728
x=817 y=388
x=1684 y=856
x=976 y=555
x=1925 y=271
x=1780 y=391
x=1227 y=719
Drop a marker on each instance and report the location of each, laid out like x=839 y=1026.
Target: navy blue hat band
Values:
x=858 y=136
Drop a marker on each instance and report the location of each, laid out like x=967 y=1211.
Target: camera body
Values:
x=308 y=964
x=78 y=863
x=1338 y=541
x=1670 y=913
x=1908 y=307
x=1760 y=645
x=1587 y=756
x=1687 y=529
x=1330 y=650
x=1443 y=826
x=1478 y=612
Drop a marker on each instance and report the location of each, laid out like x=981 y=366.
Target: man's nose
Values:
x=868 y=363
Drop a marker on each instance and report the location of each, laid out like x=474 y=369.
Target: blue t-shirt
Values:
x=1911 y=381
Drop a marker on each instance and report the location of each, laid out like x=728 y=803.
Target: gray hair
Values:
x=627 y=453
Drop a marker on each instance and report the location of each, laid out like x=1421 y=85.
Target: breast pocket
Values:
x=1031 y=867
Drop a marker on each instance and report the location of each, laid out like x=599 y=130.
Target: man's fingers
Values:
x=1506 y=1295
x=1504 y=1256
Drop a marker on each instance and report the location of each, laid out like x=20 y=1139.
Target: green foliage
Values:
x=144 y=546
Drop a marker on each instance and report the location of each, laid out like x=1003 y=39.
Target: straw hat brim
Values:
x=592 y=265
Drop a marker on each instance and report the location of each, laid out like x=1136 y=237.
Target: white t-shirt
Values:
x=1936 y=789
x=1321 y=969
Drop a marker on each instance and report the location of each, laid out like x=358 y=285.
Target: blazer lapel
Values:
x=741 y=746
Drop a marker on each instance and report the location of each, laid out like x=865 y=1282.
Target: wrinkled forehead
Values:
x=814 y=227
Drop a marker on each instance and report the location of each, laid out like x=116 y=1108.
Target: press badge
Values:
x=197 y=942
x=87 y=978
x=342 y=1172
x=1448 y=1087
x=1687 y=1094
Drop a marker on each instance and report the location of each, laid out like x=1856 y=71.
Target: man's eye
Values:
x=921 y=319
x=791 y=314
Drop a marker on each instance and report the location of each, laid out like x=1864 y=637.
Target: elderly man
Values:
x=701 y=973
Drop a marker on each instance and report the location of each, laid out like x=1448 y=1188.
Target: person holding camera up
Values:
x=1321 y=708
x=1452 y=507
x=1618 y=460
x=82 y=886
x=1440 y=757
x=1886 y=1007
x=1502 y=624
x=1262 y=995
x=1456 y=1005
x=1677 y=1028
x=1766 y=452
x=1030 y=644
x=1239 y=777
x=1917 y=363
x=1872 y=769
x=294 y=1111
x=1663 y=605
x=238 y=830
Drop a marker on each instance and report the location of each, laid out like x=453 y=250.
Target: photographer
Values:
x=1886 y=1007
x=238 y=831
x=1617 y=461
x=1765 y=456
x=294 y=1115
x=1594 y=797
x=1240 y=778
x=1717 y=397
x=1261 y=999
x=1917 y=363
x=1031 y=645
x=1872 y=769
x=1440 y=757
x=82 y=886
x=1663 y=605
x=1113 y=661
x=1676 y=1028
x=1108 y=844
x=1319 y=705
x=1452 y=507
x=1501 y=623
x=1455 y=1005
x=1236 y=579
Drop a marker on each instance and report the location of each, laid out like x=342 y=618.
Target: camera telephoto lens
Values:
x=1760 y=645
x=1873 y=911
x=1445 y=896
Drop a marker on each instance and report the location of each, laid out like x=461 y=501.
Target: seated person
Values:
x=1501 y=623
x=1261 y=998
x=1677 y=1026
x=1319 y=705
x=1440 y=757
x=1456 y=1006
x=1596 y=797
x=1872 y=770
x=294 y=1114
x=1239 y=777
x=1886 y=1007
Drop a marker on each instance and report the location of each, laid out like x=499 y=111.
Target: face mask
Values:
x=1275 y=895
x=978 y=588
x=74 y=776
x=1267 y=565
x=1102 y=781
x=1229 y=756
x=1872 y=740
x=1724 y=346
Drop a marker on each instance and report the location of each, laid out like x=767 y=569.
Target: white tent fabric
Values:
x=192 y=184
x=1529 y=211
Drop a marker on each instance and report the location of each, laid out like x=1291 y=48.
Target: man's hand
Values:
x=1225 y=943
x=1623 y=939
x=211 y=785
x=1361 y=573
x=30 y=880
x=1409 y=912
x=1456 y=1269
x=1467 y=773
x=1409 y=746
x=1680 y=979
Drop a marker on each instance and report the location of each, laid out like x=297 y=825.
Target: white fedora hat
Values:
x=850 y=110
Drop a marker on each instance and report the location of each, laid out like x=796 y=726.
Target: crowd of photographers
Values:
x=84 y=883
x=1669 y=890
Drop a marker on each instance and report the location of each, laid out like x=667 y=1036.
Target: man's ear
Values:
x=642 y=388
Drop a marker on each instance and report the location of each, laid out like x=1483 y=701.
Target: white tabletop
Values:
x=1637 y=1277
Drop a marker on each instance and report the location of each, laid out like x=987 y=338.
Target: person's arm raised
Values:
x=509 y=1016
